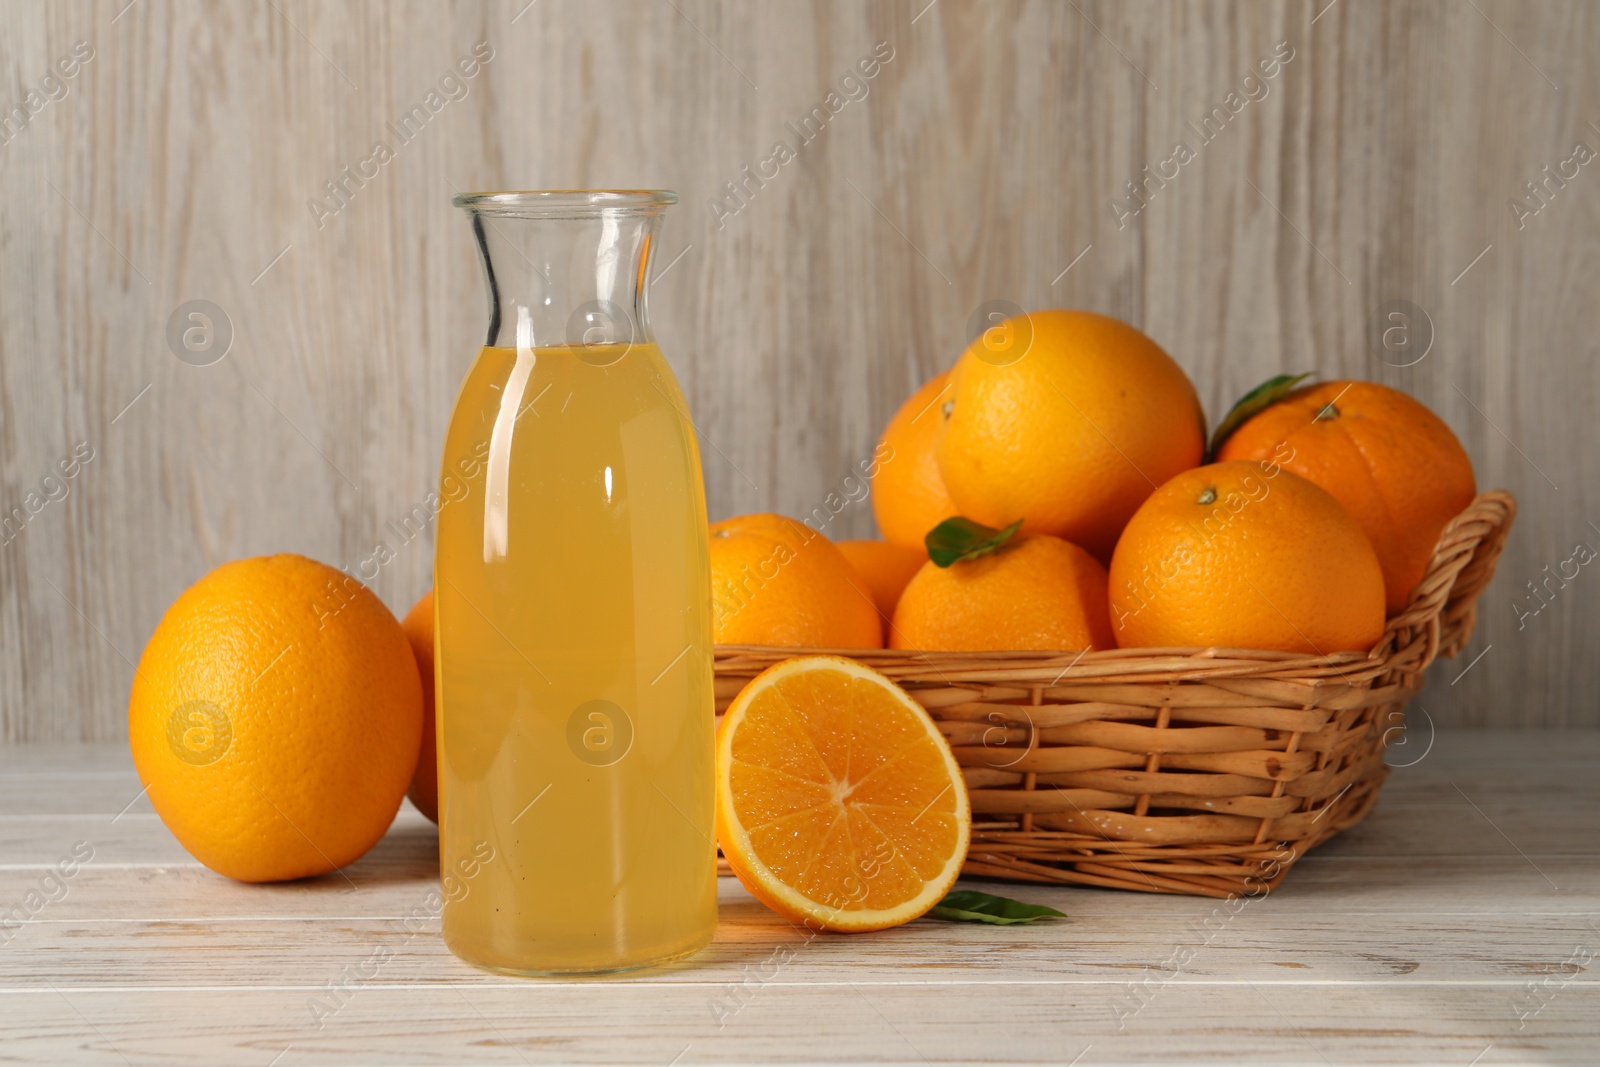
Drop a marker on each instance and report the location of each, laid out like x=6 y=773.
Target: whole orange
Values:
x=775 y=581
x=1392 y=463
x=418 y=625
x=1245 y=555
x=885 y=568
x=275 y=718
x=1039 y=593
x=1068 y=427
x=908 y=495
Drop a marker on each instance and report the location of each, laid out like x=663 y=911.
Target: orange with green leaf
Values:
x=988 y=589
x=1393 y=464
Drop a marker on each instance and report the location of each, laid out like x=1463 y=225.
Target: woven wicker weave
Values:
x=1199 y=771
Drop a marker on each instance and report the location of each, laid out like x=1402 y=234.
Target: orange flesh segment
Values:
x=848 y=796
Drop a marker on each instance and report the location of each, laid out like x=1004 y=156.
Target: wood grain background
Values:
x=178 y=163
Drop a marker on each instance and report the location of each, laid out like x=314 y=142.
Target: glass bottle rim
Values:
x=566 y=203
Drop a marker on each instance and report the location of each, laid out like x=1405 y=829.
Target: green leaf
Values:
x=958 y=539
x=1258 y=399
x=971 y=906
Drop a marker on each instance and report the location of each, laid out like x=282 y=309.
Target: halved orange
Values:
x=839 y=804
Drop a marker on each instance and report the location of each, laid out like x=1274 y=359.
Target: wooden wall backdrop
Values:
x=177 y=164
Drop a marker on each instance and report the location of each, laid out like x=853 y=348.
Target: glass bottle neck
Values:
x=564 y=269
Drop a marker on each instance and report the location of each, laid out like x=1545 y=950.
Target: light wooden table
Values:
x=1457 y=926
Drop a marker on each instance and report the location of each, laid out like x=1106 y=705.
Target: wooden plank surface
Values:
x=1459 y=921
x=983 y=162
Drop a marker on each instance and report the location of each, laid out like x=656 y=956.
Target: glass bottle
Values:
x=572 y=602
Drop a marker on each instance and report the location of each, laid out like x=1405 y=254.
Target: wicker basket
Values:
x=1198 y=771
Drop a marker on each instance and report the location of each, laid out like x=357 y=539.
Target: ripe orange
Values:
x=839 y=803
x=275 y=718
x=1069 y=431
x=885 y=568
x=775 y=581
x=908 y=495
x=1040 y=593
x=1245 y=555
x=418 y=625
x=1392 y=463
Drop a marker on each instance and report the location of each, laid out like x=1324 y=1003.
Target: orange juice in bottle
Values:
x=572 y=609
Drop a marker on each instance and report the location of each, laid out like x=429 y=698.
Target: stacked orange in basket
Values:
x=1161 y=661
